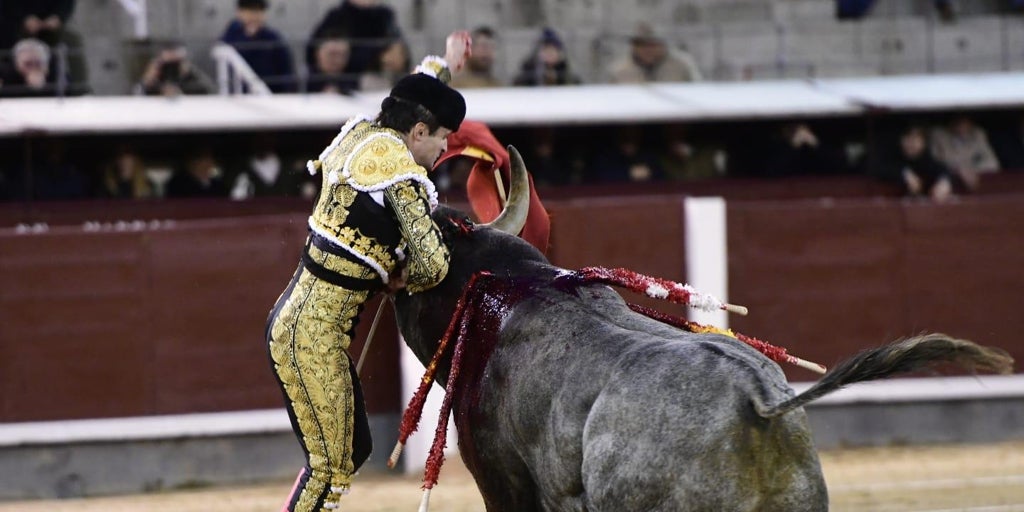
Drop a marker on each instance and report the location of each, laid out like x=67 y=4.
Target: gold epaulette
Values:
x=381 y=160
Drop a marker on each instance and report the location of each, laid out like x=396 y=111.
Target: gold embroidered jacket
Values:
x=374 y=209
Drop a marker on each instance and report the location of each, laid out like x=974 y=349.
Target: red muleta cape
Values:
x=475 y=140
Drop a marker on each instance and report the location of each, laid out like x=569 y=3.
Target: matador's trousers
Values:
x=309 y=331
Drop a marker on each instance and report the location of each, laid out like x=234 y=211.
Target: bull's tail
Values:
x=899 y=357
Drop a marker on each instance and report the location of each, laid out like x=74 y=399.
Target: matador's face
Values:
x=425 y=146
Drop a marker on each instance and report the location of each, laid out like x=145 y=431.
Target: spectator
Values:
x=682 y=159
x=261 y=46
x=263 y=173
x=39 y=19
x=796 y=150
x=549 y=159
x=200 y=177
x=393 y=64
x=547 y=63
x=914 y=168
x=479 y=70
x=628 y=159
x=650 y=60
x=124 y=176
x=368 y=25
x=46 y=20
x=170 y=74
x=332 y=57
x=963 y=147
x=30 y=75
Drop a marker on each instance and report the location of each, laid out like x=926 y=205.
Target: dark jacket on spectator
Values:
x=533 y=73
x=370 y=29
x=14 y=12
x=190 y=82
x=267 y=54
x=345 y=83
x=926 y=167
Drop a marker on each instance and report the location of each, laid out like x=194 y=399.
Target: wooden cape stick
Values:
x=369 y=335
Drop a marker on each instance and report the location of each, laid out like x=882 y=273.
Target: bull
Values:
x=576 y=402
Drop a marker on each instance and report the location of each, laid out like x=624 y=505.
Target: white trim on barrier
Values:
x=145 y=427
x=270 y=421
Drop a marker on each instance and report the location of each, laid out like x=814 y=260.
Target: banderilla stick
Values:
x=369 y=335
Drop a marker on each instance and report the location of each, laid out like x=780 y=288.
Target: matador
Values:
x=371 y=221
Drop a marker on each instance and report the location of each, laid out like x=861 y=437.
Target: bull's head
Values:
x=493 y=247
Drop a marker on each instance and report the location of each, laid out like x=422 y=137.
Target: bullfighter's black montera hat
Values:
x=447 y=104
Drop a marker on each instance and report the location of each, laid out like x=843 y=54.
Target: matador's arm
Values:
x=425 y=252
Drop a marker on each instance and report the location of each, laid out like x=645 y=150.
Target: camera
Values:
x=170 y=71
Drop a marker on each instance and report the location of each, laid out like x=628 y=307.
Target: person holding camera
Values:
x=170 y=74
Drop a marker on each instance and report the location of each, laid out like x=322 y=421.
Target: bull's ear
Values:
x=513 y=217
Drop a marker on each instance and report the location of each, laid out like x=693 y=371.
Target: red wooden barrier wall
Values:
x=171 y=320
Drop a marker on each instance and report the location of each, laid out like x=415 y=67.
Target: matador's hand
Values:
x=458 y=47
x=398 y=279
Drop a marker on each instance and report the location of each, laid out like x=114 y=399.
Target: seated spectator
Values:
x=170 y=74
x=913 y=167
x=682 y=159
x=369 y=27
x=963 y=147
x=200 y=177
x=329 y=74
x=261 y=46
x=547 y=63
x=263 y=173
x=30 y=74
x=796 y=150
x=393 y=64
x=551 y=161
x=124 y=176
x=479 y=70
x=627 y=159
x=650 y=60
x=46 y=21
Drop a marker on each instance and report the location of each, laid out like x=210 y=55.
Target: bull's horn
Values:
x=513 y=217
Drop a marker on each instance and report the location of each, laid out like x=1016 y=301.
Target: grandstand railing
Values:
x=234 y=75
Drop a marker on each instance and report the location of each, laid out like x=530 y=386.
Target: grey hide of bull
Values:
x=585 y=405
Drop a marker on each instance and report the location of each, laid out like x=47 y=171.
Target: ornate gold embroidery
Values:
x=332 y=208
x=382 y=160
x=379 y=161
x=308 y=344
x=360 y=243
x=427 y=255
